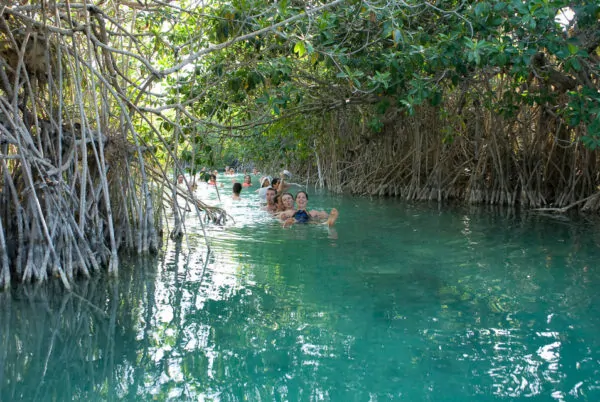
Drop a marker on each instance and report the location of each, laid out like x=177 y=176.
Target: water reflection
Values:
x=485 y=306
x=60 y=346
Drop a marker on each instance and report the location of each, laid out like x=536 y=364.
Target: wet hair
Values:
x=303 y=192
x=248 y=177
x=290 y=194
x=213 y=177
x=271 y=189
x=237 y=188
x=275 y=181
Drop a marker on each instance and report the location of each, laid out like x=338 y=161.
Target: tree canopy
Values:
x=104 y=103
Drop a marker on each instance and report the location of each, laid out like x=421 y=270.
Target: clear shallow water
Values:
x=398 y=302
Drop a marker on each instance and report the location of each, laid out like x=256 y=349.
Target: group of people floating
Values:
x=275 y=196
x=287 y=208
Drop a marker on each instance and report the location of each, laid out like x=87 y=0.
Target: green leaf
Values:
x=436 y=98
x=573 y=49
x=397 y=37
x=482 y=8
x=590 y=142
x=574 y=63
x=499 y=6
x=382 y=78
x=562 y=54
x=300 y=48
x=309 y=47
x=387 y=29
x=574 y=120
x=376 y=125
x=263 y=99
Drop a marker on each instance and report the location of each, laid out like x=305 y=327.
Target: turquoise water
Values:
x=397 y=302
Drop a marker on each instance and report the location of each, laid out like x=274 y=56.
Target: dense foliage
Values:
x=481 y=101
x=257 y=98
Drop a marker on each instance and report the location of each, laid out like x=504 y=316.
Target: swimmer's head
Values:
x=301 y=199
x=302 y=192
x=288 y=200
x=265 y=181
x=271 y=192
x=237 y=188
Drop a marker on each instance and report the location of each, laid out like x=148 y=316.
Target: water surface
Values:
x=397 y=302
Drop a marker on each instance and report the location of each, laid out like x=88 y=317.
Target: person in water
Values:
x=203 y=175
x=279 y=203
x=288 y=201
x=237 y=189
x=275 y=183
x=303 y=215
x=280 y=184
x=265 y=184
x=288 y=209
x=212 y=181
x=247 y=181
x=271 y=206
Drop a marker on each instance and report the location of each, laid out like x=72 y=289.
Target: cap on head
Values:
x=262 y=181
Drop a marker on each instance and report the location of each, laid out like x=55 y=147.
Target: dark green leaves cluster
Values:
x=385 y=54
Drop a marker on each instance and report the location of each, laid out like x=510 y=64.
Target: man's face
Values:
x=270 y=196
x=288 y=201
x=180 y=179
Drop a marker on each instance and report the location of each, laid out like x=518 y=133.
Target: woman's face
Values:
x=301 y=200
x=247 y=179
x=288 y=201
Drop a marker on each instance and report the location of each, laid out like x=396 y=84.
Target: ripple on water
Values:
x=408 y=302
